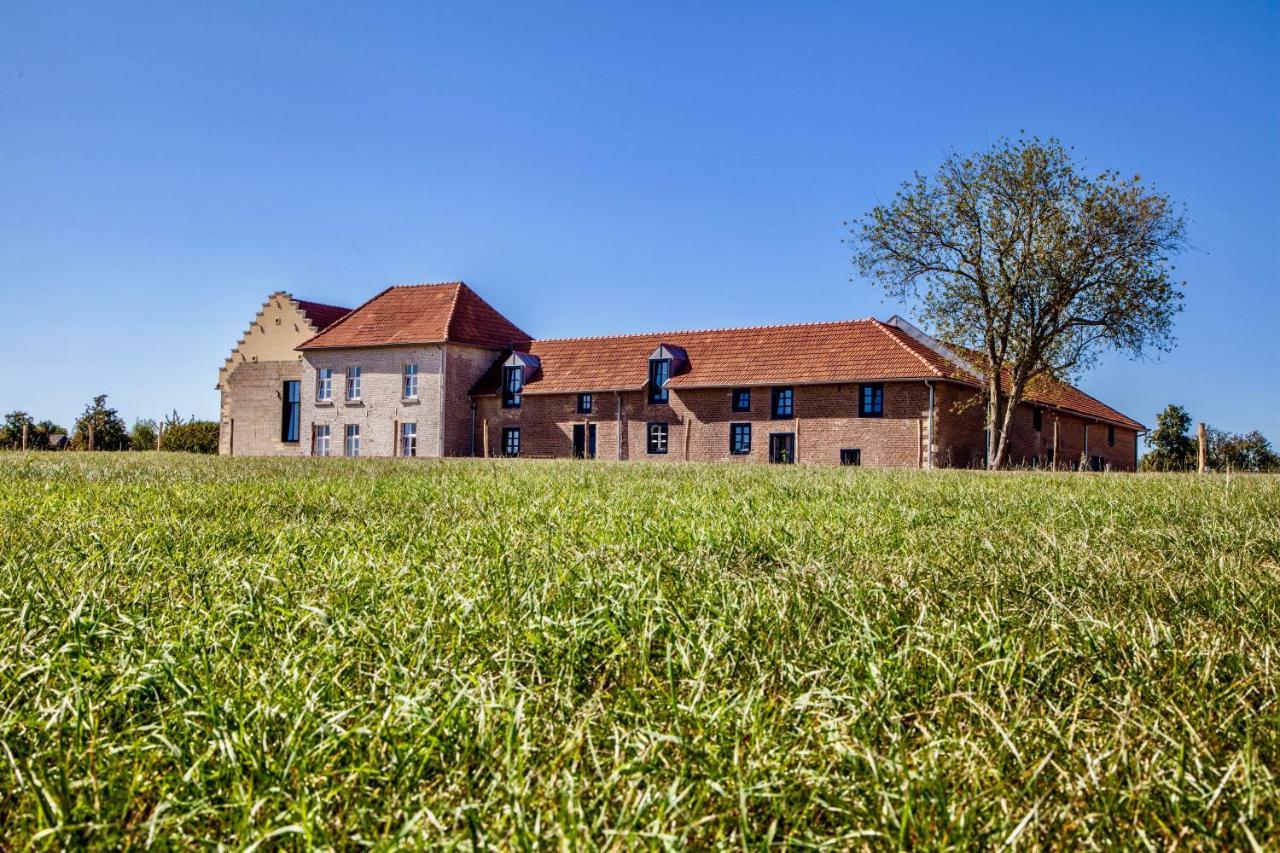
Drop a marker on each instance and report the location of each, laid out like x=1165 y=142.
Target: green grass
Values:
x=518 y=654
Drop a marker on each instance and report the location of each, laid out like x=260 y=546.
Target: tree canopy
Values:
x=109 y=431
x=1028 y=262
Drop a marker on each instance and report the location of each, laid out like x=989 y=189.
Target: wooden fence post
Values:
x=24 y=436
x=484 y=431
x=91 y=435
x=1203 y=448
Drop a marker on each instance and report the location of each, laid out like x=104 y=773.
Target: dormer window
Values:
x=512 y=383
x=659 y=373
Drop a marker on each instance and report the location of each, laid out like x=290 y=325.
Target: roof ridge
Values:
x=338 y=322
x=887 y=329
x=428 y=284
x=701 y=331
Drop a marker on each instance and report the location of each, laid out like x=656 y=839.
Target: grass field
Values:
x=318 y=652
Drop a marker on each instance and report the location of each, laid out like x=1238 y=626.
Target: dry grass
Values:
x=324 y=653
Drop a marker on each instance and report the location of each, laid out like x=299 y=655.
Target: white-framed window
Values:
x=353 y=383
x=321 y=444
x=408 y=439
x=411 y=381
x=352 y=445
x=324 y=384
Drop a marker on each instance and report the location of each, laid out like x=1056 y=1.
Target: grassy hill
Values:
x=321 y=652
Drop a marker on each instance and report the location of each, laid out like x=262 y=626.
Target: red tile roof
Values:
x=421 y=314
x=797 y=354
x=321 y=316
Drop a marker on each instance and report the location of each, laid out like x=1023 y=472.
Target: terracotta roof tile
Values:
x=419 y=314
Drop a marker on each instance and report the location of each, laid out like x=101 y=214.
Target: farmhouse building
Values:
x=434 y=370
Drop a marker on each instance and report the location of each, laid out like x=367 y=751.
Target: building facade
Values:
x=434 y=370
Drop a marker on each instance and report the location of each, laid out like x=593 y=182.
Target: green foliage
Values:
x=1229 y=451
x=1172 y=447
x=37 y=433
x=1029 y=263
x=190 y=437
x=520 y=655
x=143 y=435
x=109 y=431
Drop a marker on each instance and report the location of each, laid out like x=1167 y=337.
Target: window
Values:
x=353 y=383
x=739 y=439
x=740 y=399
x=1037 y=419
x=1111 y=436
x=408 y=439
x=411 y=381
x=871 y=401
x=659 y=373
x=291 y=410
x=321 y=447
x=352 y=446
x=512 y=384
x=851 y=456
x=783 y=403
x=324 y=384
x=511 y=441
x=584 y=404
x=657 y=438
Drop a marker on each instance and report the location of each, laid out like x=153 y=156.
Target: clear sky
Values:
x=589 y=169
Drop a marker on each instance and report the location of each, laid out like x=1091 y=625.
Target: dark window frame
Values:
x=851 y=456
x=651 y=443
x=736 y=401
x=1111 y=436
x=775 y=398
x=291 y=411
x=735 y=447
x=1037 y=419
x=509 y=433
x=512 y=386
x=657 y=389
x=585 y=403
x=873 y=408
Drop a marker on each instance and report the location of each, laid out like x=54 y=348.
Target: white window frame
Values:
x=353 y=383
x=351 y=440
x=324 y=384
x=409 y=383
x=321 y=443
x=408 y=438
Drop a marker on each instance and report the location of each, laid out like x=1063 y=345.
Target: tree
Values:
x=1030 y=265
x=1172 y=448
x=143 y=434
x=1240 y=452
x=191 y=436
x=109 y=431
x=11 y=432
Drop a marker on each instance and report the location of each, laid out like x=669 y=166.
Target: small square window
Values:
x=783 y=403
x=740 y=399
x=511 y=441
x=657 y=442
x=871 y=400
x=851 y=456
x=739 y=439
x=584 y=404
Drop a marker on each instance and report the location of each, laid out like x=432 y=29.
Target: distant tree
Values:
x=143 y=435
x=190 y=436
x=1172 y=448
x=43 y=432
x=1239 y=452
x=109 y=431
x=11 y=432
x=1033 y=266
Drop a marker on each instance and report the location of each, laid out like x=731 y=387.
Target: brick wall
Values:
x=252 y=408
x=441 y=410
x=1027 y=446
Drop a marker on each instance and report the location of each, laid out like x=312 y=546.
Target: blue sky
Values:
x=589 y=169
